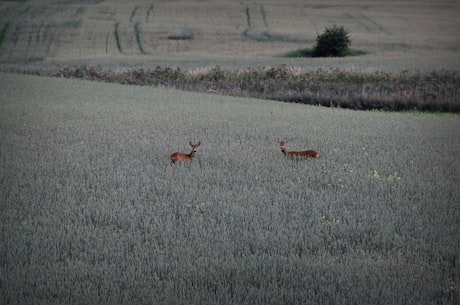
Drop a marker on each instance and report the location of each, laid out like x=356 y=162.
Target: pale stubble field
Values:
x=396 y=35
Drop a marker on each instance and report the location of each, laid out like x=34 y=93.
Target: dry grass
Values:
x=395 y=91
x=223 y=30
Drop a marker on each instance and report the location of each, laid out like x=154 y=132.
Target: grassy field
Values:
x=92 y=211
x=411 y=48
x=437 y=91
x=416 y=34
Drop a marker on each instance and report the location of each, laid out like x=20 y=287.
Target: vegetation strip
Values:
x=137 y=32
x=248 y=17
x=117 y=37
x=133 y=13
x=3 y=32
x=150 y=11
x=264 y=15
x=437 y=91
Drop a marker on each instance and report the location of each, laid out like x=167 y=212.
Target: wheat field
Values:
x=92 y=211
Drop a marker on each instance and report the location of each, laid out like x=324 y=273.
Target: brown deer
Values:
x=298 y=154
x=179 y=157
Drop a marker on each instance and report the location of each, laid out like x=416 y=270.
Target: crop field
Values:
x=415 y=34
x=409 y=50
x=93 y=212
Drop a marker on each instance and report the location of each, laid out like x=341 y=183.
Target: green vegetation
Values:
x=93 y=212
x=264 y=15
x=3 y=32
x=233 y=34
x=117 y=37
x=267 y=36
x=394 y=91
x=133 y=13
x=334 y=42
x=303 y=52
x=150 y=12
x=73 y=24
x=248 y=17
x=186 y=34
x=137 y=32
x=309 y=52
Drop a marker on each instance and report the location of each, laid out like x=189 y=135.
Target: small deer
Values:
x=298 y=154
x=179 y=157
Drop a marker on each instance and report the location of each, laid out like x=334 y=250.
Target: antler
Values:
x=178 y=157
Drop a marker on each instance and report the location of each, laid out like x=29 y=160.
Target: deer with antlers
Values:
x=179 y=157
x=298 y=154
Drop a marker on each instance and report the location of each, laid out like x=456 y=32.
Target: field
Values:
x=415 y=34
x=410 y=49
x=92 y=211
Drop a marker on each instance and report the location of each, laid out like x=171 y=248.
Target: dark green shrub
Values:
x=334 y=42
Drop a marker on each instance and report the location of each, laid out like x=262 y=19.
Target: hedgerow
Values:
x=393 y=91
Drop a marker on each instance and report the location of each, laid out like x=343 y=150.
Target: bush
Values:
x=334 y=42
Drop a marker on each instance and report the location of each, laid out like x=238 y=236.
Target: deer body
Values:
x=298 y=154
x=179 y=157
